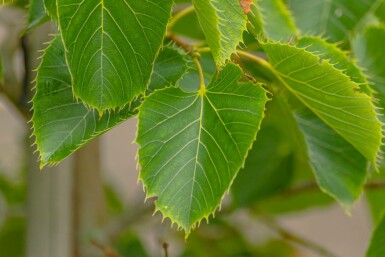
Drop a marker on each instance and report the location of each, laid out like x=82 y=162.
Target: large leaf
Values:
x=335 y=19
x=377 y=244
x=192 y=144
x=111 y=47
x=339 y=168
x=271 y=19
x=62 y=124
x=223 y=23
x=270 y=165
x=330 y=95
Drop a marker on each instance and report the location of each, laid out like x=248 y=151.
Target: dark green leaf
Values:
x=62 y=124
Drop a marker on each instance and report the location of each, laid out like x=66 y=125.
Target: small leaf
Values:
x=50 y=6
x=272 y=19
x=36 y=14
x=223 y=23
x=330 y=95
x=192 y=144
x=111 y=47
x=377 y=243
x=61 y=124
x=335 y=19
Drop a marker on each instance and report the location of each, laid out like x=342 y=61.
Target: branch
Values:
x=165 y=248
x=106 y=250
x=287 y=235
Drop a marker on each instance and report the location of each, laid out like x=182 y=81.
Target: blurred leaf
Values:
x=12 y=193
x=188 y=26
x=271 y=19
x=377 y=243
x=114 y=204
x=36 y=14
x=380 y=13
x=335 y=19
x=12 y=237
x=129 y=245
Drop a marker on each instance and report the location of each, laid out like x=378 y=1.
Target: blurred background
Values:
x=92 y=205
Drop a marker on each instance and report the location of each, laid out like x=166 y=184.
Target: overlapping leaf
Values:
x=192 y=144
x=50 y=6
x=330 y=95
x=111 y=47
x=223 y=23
x=368 y=49
x=36 y=14
x=334 y=19
x=272 y=19
x=62 y=124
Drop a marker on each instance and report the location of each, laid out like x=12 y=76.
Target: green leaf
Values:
x=368 y=48
x=36 y=14
x=339 y=168
x=62 y=124
x=50 y=6
x=12 y=237
x=192 y=144
x=339 y=58
x=380 y=13
x=111 y=47
x=272 y=19
x=170 y=67
x=334 y=19
x=269 y=167
x=330 y=95
x=377 y=243
x=223 y=23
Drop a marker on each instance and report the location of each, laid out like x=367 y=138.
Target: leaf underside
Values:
x=192 y=144
x=223 y=23
x=330 y=95
x=111 y=47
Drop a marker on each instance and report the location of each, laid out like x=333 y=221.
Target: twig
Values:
x=180 y=15
x=165 y=248
x=374 y=185
x=296 y=239
x=106 y=250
